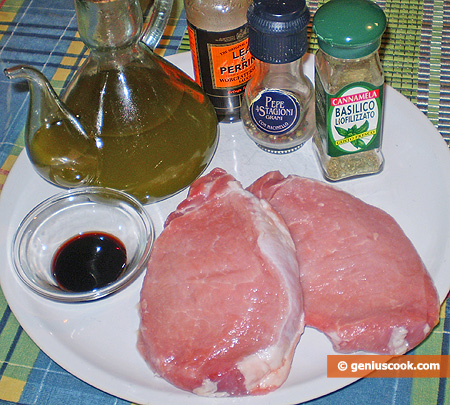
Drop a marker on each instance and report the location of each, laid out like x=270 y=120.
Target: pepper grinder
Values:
x=278 y=105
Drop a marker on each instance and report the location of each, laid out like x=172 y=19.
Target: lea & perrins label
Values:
x=222 y=65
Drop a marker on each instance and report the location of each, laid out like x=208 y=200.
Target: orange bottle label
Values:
x=232 y=65
x=222 y=65
x=194 y=55
x=222 y=60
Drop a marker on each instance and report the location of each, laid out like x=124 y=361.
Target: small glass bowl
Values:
x=75 y=212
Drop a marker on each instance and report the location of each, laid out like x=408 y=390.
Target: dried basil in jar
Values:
x=349 y=82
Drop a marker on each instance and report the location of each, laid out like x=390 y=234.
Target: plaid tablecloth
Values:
x=416 y=58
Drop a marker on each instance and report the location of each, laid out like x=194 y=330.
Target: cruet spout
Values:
x=57 y=145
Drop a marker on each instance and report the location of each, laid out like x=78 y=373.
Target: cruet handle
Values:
x=159 y=17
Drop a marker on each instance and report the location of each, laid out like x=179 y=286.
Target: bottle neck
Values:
x=335 y=60
x=336 y=73
x=293 y=68
x=109 y=24
x=217 y=16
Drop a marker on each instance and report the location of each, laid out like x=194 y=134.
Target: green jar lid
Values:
x=349 y=29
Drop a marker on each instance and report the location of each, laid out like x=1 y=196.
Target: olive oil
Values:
x=151 y=143
x=156 y=162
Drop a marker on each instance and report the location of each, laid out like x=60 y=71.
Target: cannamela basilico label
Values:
x=354 y=119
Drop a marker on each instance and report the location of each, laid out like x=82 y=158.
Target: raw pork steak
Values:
x=363 y=282
x=221 y=306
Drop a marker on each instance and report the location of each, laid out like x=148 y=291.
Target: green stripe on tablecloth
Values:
x=400 y=46
x=435 y=62
x=433 y=390
x=9 y=10
x=17 y=351
x=434 y=79
x=184 y=46
x=19 y=144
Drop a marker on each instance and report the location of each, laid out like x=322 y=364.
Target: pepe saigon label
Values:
x=354 y=119
x=275 y=112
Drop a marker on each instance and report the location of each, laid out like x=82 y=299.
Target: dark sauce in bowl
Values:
x=89 y=261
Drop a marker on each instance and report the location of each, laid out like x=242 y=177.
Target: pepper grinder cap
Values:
x=278 y=30
x=349 y=29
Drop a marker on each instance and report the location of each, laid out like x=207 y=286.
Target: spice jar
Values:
x=349 y=82
x=278 y=104
x=218 y=37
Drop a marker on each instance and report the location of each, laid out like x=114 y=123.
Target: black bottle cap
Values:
x=278 y=30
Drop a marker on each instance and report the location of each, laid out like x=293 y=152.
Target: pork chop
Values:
x=221 y=305
x=363 y=281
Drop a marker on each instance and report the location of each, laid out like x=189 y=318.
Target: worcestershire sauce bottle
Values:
x=218 y=36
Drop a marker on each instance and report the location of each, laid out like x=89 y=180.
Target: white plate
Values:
x=97 y=341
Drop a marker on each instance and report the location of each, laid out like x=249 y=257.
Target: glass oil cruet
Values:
x=128 y=119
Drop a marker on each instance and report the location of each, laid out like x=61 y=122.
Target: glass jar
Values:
x=349 y=83
x=278 y=105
